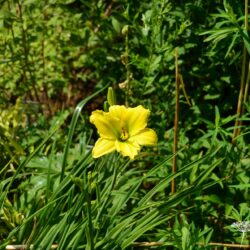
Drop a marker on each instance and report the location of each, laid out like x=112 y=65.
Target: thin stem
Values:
x=11 y=27
x=157 y=243
x=44 y=84
x=22 y=247
x=247 y=84
x=26 y=67
x=126 y=63
x=111 y=187
x=228 y=245
x=176 y=121
x=246 y=88
x=242 y=238
x=243 y=84
x=103 y=202
x=90 y=231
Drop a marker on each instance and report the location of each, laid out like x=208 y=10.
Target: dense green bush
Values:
x=55 y=55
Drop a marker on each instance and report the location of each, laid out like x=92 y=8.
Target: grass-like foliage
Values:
x=124 y=124
x=77 y=202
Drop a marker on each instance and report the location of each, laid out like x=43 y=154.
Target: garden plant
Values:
x=124 y=124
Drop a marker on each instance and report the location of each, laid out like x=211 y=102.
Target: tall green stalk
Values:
x=26 y=51
x=125 y=60
x=90 y=228
x=244 y=83
x=176 y=121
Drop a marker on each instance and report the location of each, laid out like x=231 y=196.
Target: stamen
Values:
x=124 y=134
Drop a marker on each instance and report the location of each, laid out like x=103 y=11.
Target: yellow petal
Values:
x=95 y=114
x=118 y=111
x=102 y=147
x=107 y=126
x=145 y=137
x=136 y=119
x=127 y=148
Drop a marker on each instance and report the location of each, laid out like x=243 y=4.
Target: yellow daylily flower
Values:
x=122 y=129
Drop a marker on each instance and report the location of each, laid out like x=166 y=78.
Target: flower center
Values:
x=124 y=135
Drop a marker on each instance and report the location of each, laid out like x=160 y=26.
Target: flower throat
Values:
x=124 y=135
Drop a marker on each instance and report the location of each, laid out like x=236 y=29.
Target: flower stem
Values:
x=242 y=238
x=176 y=121
x=243 y=83
x=127 y=66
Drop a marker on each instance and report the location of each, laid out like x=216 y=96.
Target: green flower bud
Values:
x=111 y=97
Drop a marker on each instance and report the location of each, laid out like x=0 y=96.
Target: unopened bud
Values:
x=111 y=97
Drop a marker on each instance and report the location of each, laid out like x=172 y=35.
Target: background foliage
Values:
x=55 y=55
